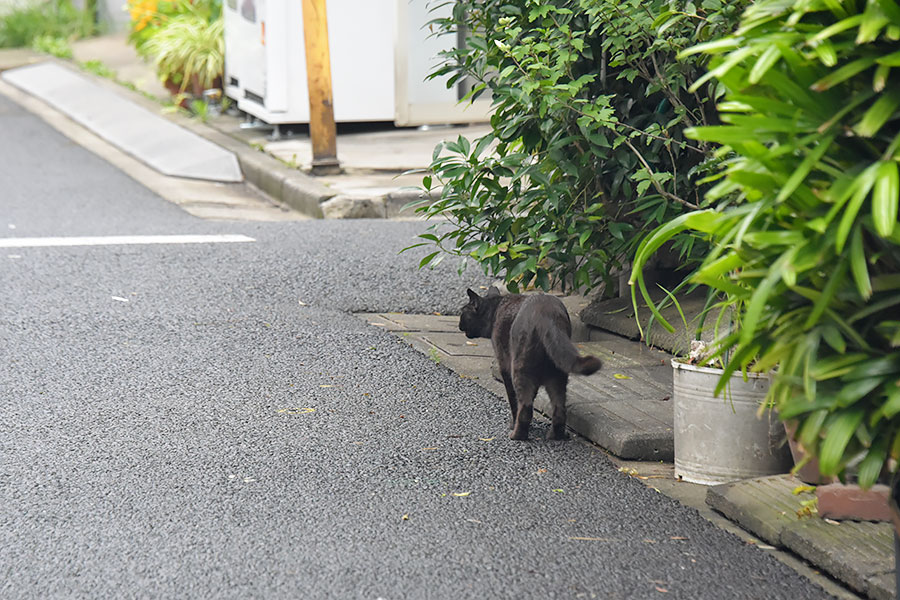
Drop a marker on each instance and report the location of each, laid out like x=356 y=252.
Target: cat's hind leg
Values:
x=526 y=389
x=556 y=389
x=511 y=396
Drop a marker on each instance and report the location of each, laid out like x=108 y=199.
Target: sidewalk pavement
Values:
x=625 y=408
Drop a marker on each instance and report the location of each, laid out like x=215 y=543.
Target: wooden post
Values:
x=322 y=129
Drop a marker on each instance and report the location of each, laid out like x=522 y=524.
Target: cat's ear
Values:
x=492 y=291
x=473 y=297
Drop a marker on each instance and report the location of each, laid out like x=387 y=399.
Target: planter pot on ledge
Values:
x=719 y=440
x=808 y=473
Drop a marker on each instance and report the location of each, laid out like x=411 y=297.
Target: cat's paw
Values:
x=554 y=435
x=517 y=435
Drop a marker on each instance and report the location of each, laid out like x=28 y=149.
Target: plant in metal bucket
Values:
x=805 y=244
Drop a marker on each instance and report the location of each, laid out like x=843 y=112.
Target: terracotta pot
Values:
x=808 y=473
x=841 y=501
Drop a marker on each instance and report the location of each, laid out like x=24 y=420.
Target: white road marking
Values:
x=121 y=240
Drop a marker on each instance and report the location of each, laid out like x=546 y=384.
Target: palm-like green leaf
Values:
x=806 y=246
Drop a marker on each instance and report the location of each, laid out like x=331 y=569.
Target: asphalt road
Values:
x=209 y=421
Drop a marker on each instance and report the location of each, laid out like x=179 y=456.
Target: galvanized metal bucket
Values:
x=722 y=439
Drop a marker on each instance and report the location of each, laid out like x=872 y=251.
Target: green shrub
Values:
x=183 y=38
x=805 y=238
x=49 y=44
x=50 y=19
x=587 y=150
x=189 y=51
x=149 y=16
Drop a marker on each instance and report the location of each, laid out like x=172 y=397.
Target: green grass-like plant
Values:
x=188 y=50
x=804 y=236
x=46 y=20
x=56 y=46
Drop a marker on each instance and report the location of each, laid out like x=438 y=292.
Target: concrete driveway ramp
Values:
x=149 y=137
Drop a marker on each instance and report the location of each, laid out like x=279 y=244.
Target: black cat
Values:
x=532 y=342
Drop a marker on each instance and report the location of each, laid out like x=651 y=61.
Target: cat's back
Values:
x=508 y=309
x=542 y=306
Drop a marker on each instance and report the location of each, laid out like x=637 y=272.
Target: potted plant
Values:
x=185 y=41
x=718 y=436
x=805 y=241
x=722 y=432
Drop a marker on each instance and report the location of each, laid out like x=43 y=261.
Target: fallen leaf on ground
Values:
x=832 y=522
x=473 y=521
x=405 y=517
x=120 y=299
x=541 y=471
x=302 y=303
x=558 y=491
x=486 y=439
x=590 y=539
x=326 y=385
x=765 y=547
x=461 y=494
x=621 y=376
x=431 y=448
x=471 y=344
x=297 y=411
x=678 y=537
x=661 y=590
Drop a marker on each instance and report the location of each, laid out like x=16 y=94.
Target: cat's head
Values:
x=476 y=317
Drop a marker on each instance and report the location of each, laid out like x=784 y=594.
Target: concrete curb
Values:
x=297 y=190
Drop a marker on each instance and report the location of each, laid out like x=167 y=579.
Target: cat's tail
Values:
x=565 y=355
x=585 y=365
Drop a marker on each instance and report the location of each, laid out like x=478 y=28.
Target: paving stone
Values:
x=617 y=315
x=860 y=554
x=411 y=323
x=882 y=586
x=765 y=506
x=850 y=551
x=456 y=344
